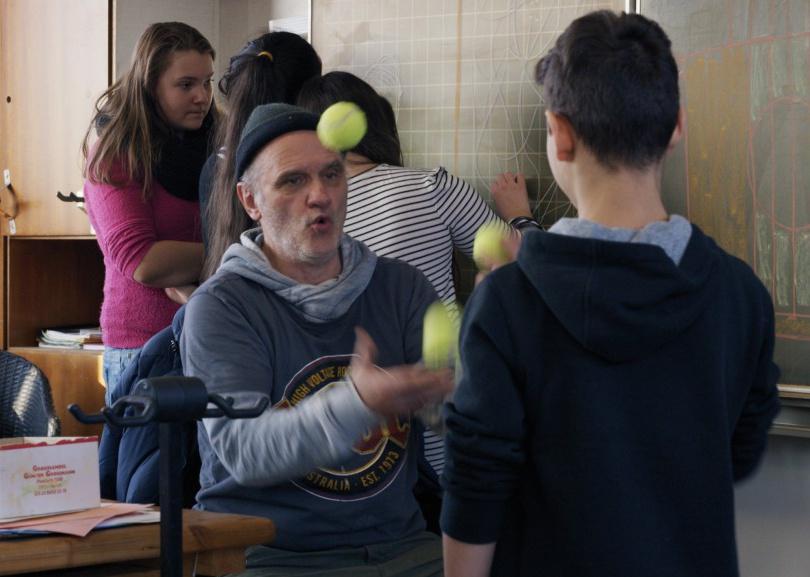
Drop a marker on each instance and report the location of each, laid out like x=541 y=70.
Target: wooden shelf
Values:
x=55 y=237
x=49 y=351
x=51 y=282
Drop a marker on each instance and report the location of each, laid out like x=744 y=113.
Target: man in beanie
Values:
x=304 y=314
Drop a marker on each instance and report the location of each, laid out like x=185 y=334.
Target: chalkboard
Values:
x=460 y=76
x=742 y=172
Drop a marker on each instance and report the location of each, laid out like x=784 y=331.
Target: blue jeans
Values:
x=115 y=363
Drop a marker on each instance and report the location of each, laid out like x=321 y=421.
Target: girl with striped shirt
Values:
x=415 y=215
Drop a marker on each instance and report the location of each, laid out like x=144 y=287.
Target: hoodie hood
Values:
x=621 y=300
x=318 y=303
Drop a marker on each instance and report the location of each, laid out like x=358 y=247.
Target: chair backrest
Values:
x=26 y=405
x=129 y=458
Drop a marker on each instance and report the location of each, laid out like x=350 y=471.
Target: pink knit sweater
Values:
x=126 y=227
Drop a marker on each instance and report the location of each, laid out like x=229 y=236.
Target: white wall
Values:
x=132 y=17
x=228 y=24
x=242 y=20
x=288 y=8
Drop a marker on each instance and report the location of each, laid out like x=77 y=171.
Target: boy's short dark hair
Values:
x=615 y=79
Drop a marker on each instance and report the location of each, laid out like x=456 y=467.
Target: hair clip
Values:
x=265 y=53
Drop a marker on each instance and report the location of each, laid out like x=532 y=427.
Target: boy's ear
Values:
x=248 y=200
x=560 y=129
x=677 y=133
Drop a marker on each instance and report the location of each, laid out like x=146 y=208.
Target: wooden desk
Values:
x=214 y=543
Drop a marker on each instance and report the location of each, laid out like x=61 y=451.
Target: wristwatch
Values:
x=521 y=222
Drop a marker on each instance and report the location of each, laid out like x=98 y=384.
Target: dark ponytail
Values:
x=270 y=68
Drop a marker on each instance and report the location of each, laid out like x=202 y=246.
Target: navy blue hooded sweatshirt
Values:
x=610 y=399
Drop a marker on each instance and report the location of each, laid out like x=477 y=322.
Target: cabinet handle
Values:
x=72 y=197
x=14 y=205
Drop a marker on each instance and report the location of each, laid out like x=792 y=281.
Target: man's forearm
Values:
x=284 y=444
x=466 y=559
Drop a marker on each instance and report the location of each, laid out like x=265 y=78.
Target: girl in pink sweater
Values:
x=142 y=173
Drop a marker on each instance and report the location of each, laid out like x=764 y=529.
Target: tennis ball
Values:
x=439 y=337
x=342 y=126
x=488 y=249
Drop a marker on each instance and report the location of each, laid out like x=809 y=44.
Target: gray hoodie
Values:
x=319 y=463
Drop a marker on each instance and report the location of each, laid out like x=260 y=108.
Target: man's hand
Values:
x=511 y=245
x=395 y=390
x=510 y=196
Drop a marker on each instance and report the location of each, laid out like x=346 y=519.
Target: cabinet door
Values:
x=54 y=63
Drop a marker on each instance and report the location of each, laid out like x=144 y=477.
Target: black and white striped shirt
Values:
x=418 y=216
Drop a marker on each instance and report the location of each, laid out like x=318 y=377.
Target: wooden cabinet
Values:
x=54 y=63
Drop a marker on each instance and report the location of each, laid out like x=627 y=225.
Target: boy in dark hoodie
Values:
x=618 y=377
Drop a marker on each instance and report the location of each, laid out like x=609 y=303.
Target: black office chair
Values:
x=26 y=405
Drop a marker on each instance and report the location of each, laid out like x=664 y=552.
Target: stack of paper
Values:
x=80 y=523
x=71 y=338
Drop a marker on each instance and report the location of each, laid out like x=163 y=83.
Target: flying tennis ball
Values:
x=439 y=337
x=342 y=126
x=488 y=249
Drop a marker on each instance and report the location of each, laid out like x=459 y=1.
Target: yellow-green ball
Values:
x=439 y=337
x=488 y=249
x=342 y=126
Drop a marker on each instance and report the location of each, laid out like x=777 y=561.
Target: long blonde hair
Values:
x=126 y=117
